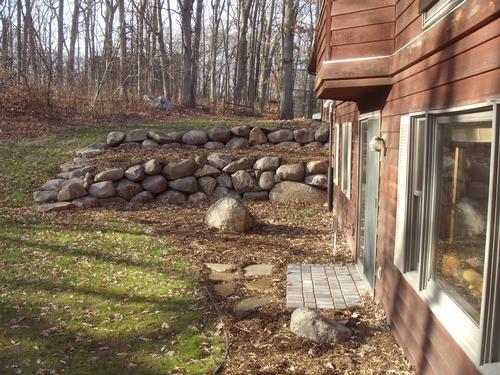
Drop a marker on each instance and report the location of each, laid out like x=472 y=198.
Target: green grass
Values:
x=84 y=295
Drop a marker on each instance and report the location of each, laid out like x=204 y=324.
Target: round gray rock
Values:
x=266 y=180
x=142 y=197
x=115 y=138
x=55 y=184
x=45 y=196
x=237 y=143
x=244 y=182
x=267 y=163
x=105 y=189
x=229 y=214
x=283 y=135
x=219 y=160
x=207 y=185
x=135 y=173
x=240 y=164
x=185 y=184
x=224 y=180
x=304 y=135
x=241 y=131
x=214 y=145
x=310 y=325
x=291 y=172
x=127 y=189
x=159 y=137
x=257 y=137
x=289 y=191
x=152 y=167
x=207 y=170
x=172 y=197
x=321 y=135
x=183 y=168
x=71 y=189
x=137 y=135
x=219 y=134
x=197 y=197
x=317 y=167
x=221 y=192
x=195 y=137
x=154 y=184
x=148 y=144
x=317 y=180
x=113 y=174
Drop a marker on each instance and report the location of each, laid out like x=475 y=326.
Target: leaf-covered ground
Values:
x=120 y=291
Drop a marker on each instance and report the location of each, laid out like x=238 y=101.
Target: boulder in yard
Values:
x=159 y=137
x=183 y=168
x=229 y=214
x=72 y=189
x=137 y=135
x=244 y=182
x=185 y=184
x=289 y=191
x=266 y=180
x=172 y=197
x=152 y=167
x=321 y=135
x=219 y=134
x=127 y=189
x=104 y=189
x=195 y=137
x=267 y=163
x=318 y=180
x=283 y=135
x=207 y=185
x=154 y=184
x=142 y=197
x=45 y=196
x=240 y=164
x=197 y=197
x=207 y=170
x=219 y=160
x=317 y=167
x=304 y=135
x=224 y=180
x=55 y=184
x=148 y=144
x=237 y=143
x=80 y=172
x=312 y=326
x=175 y=136
x=115 y=138
x=257 y=137
x=135 y=173
x=291 y=172
x=54 y=207
x=241 y=131
x=85 y=202
x=113 y=174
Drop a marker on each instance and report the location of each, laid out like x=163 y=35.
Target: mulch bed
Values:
x=261 y=342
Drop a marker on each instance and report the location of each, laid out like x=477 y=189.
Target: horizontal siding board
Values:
x=363 y=18
x=363 y=34
x=409 y=16
x=370 y=49
x=349 y=6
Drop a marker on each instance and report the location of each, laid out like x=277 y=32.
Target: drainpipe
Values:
x=330 y=104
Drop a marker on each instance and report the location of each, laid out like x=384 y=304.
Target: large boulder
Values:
x=304 y=135
x=283 y=135
x=291 y=172
x=241 y=131
x=175 y=136
x=289 y=191
x=55 y=184
x=172 y=197
x=317 y=167
x=127 y=189
x=72 y=189
x=113 y=174
x=104 y=189
x=80 y=172
x=321 y=135
x=154 y=184
x=207 y=185
x=152 y=167
x=148 y=144
x=224 y=180
x=312 y=326
x=197 y=197
x=257 y=137
x=85 y=202
x=267 y=163
x=237 y=143
x=183 y=168
x=219 y=134
x=229 y=214
x=219 y=160
x=142 y=197
x=266 y=180
x=45 y=196
x=195 y=137
x=137 y=135
x=159 y=137
x=240 y=164
x=207 y=170
x=244 y=182
x=185 y=184
x=317 y=180
x=115 y=138
x=135 y=173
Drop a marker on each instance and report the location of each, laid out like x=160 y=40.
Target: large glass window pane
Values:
x=464 y=159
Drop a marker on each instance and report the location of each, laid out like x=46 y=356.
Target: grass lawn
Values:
x=84 y=293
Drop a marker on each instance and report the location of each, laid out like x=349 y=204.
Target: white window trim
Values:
x=346 y=154
x=468 y=335
x=440 y=10
x=337 y=149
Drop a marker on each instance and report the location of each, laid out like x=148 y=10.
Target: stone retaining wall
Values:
x=188 y=180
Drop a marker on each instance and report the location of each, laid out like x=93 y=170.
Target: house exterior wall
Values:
x=454 y=63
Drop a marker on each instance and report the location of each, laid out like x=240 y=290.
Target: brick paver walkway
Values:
x=323 y=286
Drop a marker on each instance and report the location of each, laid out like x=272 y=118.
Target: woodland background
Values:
x=248 y=56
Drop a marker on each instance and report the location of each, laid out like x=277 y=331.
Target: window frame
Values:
x=337 y=150
x=477 y=340
x=431 y=14
x=346 y=159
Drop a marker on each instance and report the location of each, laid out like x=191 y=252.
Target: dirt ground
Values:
x=261 y=342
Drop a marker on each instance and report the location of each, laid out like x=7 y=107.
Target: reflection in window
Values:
x=463 y=176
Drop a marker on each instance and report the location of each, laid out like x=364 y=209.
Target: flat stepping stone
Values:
x=223 y=276
x=220 y=267
x=225 y=289
x=252 y=303
x=259 y=285
x=259 y=270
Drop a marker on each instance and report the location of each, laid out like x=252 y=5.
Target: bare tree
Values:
x=186 y=9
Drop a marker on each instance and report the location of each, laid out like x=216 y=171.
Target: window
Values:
x=337 y=150
x=433 y=10
x=346 y=158
x=447 y=231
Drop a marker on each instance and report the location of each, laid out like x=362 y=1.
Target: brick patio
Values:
x=323 y=286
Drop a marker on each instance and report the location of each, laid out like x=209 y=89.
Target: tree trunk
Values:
x=266 y=69
x=72 y=41
x=19 y=41
x=213 y=51
x=287 y=84
x=196 y=50
x=123 y=51
x=186 y=8
x=241 y=66
x=60 y=40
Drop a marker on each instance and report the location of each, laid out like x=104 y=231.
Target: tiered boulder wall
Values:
x=82 y=185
